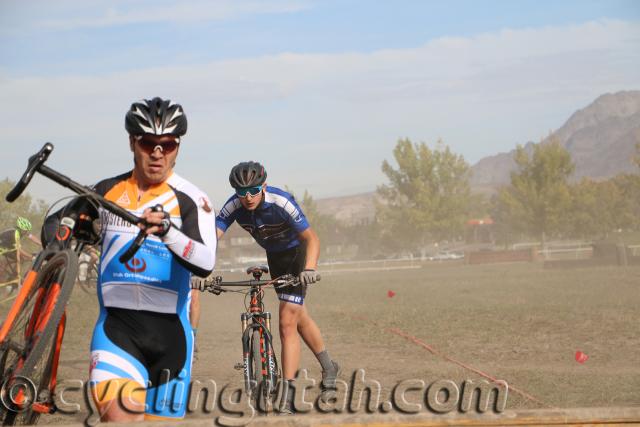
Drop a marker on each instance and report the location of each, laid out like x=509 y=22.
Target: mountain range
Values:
x=601 y=139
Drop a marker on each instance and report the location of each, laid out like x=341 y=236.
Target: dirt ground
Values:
x=517 y=322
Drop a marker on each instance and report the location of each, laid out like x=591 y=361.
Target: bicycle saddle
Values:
x=257 y=270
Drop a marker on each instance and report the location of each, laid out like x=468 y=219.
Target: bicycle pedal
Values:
x=238 y=366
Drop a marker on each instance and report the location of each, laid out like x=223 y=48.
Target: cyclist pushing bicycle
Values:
x=143 y=332
x=276 y=222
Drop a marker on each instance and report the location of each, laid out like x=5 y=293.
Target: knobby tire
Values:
x=49 y=301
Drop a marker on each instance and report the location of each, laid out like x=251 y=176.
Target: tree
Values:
x=628 y=212
x=427 y=196
x=597 y=208
x=324 y=225
x=538 y=199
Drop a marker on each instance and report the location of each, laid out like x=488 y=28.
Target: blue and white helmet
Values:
x=157 y=117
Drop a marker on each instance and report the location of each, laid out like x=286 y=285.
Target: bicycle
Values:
x=88 y=270
x=10 y=271
x=261 y=373
x=32 y=333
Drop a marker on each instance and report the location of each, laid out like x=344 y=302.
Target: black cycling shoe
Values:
x=328 y=384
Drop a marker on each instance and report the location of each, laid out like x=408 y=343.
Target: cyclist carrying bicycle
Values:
x=143 y=333
x=276 y=222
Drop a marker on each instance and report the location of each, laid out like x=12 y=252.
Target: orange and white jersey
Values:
x=158 y=277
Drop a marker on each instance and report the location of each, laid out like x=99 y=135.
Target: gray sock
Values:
x=325 y=361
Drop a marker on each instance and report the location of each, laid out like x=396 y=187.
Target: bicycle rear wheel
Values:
x=88 y=276
x=28 y=347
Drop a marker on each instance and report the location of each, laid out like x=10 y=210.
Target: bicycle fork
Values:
x=260 y=322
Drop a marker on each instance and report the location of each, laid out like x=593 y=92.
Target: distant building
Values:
x=238 y=248
x=480 y=230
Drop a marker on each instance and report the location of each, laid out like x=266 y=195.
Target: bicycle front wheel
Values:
x=264 y=373
x=255 y=365
x=28 y=345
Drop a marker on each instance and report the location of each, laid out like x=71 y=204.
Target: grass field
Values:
x=517 y=322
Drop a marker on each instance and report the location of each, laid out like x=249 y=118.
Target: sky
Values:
x=317 y=91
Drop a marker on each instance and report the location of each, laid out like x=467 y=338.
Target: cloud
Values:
x=345 y=111
x=72 y=15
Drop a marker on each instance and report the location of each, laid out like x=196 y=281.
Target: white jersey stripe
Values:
x=117 y=361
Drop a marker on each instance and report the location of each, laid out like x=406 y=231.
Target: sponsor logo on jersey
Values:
x=124 y=199
x=187 y=253
x=272 y=231
x=109 y=219
x=136 y=265
x=204 y=202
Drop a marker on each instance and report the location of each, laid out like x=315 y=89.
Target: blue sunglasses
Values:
x=253 y=191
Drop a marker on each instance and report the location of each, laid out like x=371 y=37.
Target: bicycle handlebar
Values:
x=36 y=164
x=216 y=285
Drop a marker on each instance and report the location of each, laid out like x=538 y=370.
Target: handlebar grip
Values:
x=197 y=283
x=125 y=257
x=33 y=165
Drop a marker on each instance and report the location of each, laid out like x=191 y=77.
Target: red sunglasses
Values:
x=149 y=145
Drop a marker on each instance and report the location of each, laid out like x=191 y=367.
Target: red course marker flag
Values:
x=390 y=294
x=581 y=357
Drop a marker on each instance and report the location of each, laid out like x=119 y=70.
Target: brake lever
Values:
x=216 y=289
x=286 y=280
x=211 y=285
x=33 y=166
x=291 y=280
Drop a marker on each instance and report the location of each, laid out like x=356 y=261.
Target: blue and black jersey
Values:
x=274 y=224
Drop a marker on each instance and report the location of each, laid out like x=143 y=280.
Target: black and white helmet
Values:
x=157 y=117
x=247 y=174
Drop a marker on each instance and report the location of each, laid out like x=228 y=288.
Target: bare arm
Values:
x=34 y=239
x=194 y=311
x=312 y=246
x=219 y=233
x=23 y=255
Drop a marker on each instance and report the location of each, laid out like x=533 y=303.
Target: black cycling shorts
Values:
x=156 y=340
x=290 y=261
x=151 y=349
